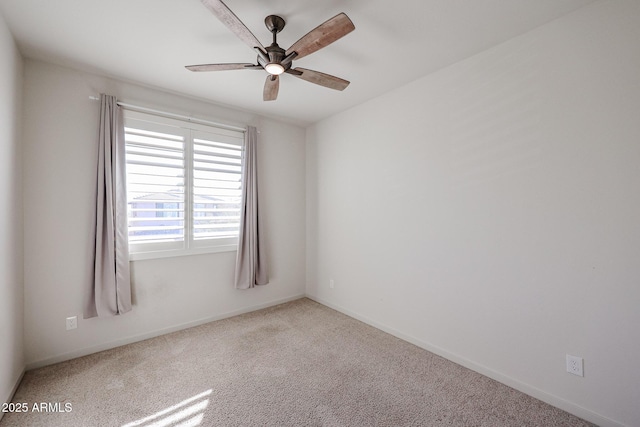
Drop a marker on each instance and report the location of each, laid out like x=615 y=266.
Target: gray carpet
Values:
x=296 y=364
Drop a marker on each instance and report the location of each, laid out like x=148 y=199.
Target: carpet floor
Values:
x=295 y=364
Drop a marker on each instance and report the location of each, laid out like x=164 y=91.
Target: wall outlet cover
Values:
x=72 y=322
x=575 y=365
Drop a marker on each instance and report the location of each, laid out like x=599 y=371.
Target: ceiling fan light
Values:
x=274 y=69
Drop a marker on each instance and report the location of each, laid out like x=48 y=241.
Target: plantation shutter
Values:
x=155 y=182
x=184 y=186
x=217 y=184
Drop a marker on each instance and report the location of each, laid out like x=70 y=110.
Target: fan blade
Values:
x=228 y=18
x=322 y=79
x=271 y=87
x=323 y=35
x=222 y=67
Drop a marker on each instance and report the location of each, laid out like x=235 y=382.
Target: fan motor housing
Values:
x=275 y=52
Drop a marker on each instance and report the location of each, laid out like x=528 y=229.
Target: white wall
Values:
x=11 y=278
x=59 y=181
x=490 y=211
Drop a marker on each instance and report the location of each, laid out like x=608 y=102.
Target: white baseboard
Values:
x=556 y=401
x=9 y=398
x=120 y=342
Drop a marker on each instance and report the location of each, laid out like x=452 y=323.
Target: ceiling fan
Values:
x=275 y=60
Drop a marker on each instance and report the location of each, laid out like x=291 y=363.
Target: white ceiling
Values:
x=150 y=42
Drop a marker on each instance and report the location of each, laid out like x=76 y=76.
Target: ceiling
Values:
x=150 y=42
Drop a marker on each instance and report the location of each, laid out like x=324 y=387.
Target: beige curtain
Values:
x=251 y=262
x=110 y=292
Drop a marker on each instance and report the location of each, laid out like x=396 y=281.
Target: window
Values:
x=183 y=186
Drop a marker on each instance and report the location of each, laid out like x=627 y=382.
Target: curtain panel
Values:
x=251 y=260
x=109 y=293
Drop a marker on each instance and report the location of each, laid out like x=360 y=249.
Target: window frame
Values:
x=190 y=131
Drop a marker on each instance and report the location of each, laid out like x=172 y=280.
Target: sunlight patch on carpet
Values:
x=192 y=407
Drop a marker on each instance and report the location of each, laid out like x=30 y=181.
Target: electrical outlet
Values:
x=72 y=323
x=331 y=283
x=575 y=365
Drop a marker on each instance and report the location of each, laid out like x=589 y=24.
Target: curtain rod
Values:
x=174 y=116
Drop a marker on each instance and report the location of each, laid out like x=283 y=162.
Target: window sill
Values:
x=138 y=256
